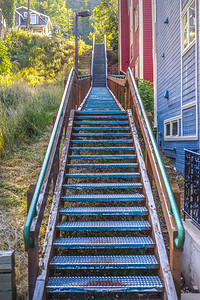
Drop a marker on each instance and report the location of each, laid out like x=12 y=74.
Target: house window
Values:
x=136 y=18
x=188 y=25
x=172 y=128
x=25 y=14
x=175 y=128
x=33 y=19
x=167 y=129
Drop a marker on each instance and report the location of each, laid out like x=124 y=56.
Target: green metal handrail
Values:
x=179 y=240
x=28 y=240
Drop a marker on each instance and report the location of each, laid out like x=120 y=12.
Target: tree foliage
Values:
x=8 y=8
x=145 y=88
x=105 y=21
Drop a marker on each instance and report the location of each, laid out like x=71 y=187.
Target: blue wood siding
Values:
x=168 y=39
x=189 y=121
x=188 y=73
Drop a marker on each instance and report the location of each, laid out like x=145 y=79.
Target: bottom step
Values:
x=105 y=284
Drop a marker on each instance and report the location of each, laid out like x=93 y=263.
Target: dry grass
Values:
x=17 y=171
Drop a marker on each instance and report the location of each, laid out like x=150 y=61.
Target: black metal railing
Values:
x=192 y=186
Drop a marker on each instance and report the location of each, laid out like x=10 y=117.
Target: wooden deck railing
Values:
x=125 y=90
x=74 y=93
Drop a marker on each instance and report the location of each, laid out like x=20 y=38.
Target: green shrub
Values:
x=146 y=92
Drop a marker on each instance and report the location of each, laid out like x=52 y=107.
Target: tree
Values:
x=8 y=8
x=105 y=21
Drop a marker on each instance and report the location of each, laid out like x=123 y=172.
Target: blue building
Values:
x=176 y=76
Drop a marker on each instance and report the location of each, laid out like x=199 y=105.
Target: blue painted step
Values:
x=130 y=141
x=103 y=166
x=104 y=197
x=105 y=284
x=100 y=134
x=103 y=175
x=104 y=243
x=102 y=186
x=102 y=148
x=104 y=262
x=101 y=112
x=103 y=211
x=104 y=225
x=125 y=156
x=101 y=117
x=101 y=128
x=101 y=123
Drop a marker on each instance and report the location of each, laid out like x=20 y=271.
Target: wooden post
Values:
x=56 y=169
x=33 y=253
x=147 y=160
x=7 y=275
x=175 y=254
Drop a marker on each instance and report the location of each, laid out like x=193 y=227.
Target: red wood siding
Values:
x=127 y=54
x=147 y=40
x=125 y=35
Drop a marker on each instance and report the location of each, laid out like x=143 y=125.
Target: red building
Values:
x=135 y=37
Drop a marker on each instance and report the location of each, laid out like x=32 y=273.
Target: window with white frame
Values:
x=171 y=128
x=188 y=25
x=33 y=19
x=136 y=18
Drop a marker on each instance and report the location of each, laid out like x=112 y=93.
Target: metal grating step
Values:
x=102 y=148
x=101 y=128
x=101 y=112
x=104 y=197
x=101 y=123
x=104 y=243
x=101 y=134
x=104 y=225
x=103 y=175
x=105 y=284
x=104 y=262
x=102 y=141
x=102 y=186
x=101 y=117
x=104 y=166
x=125 y=156
x=87 y=211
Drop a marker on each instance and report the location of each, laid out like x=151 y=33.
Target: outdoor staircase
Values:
x=104 y=241
x=103 y=237
x=99 y=66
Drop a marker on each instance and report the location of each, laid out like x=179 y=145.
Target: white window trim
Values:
x=170 y=121
x=33 y=15
x=186 y=11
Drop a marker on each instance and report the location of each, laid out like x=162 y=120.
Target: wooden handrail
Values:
x=125 y=90
x=74 y=94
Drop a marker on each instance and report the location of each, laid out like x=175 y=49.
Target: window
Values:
x=167 y=129
x=33 y=19
x=172 y=127
x=175 y=128
x=136 y=18
x=25 y=14
x=188 y=25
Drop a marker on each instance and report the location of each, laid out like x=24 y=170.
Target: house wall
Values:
x=124 y=38
x=147 y=40
x=176 y=73
x=134 y=50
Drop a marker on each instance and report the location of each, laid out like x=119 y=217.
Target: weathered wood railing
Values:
x=125 y=90
x=74 y=94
